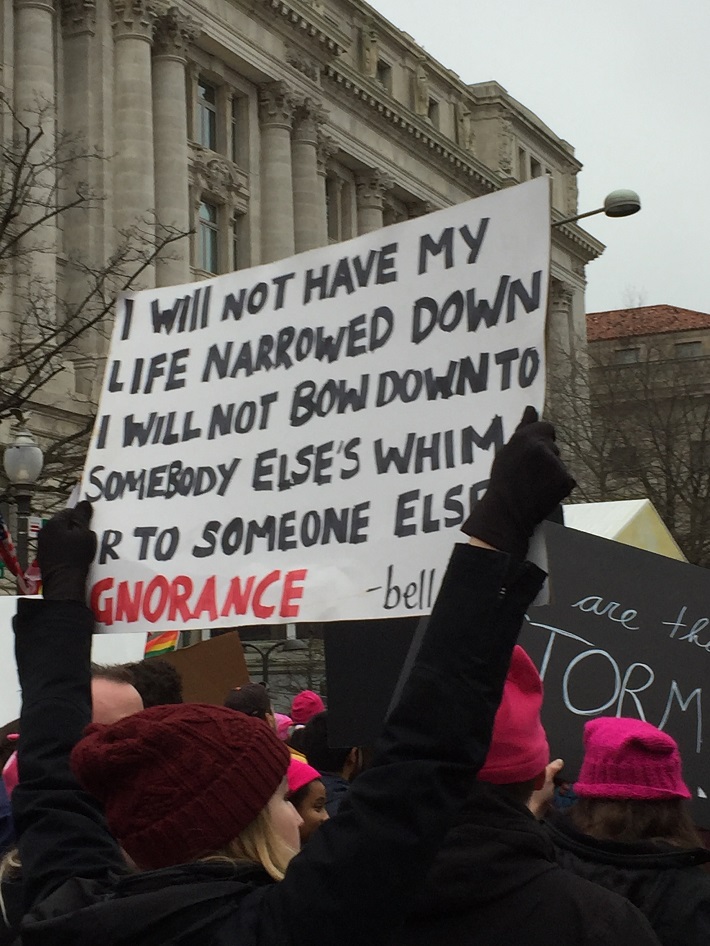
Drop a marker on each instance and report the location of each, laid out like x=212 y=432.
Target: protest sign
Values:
x=301 y=441
x=210 y=669
x=627 y=633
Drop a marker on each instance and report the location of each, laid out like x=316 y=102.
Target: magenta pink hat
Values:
x=300 y=774
x=630 y=759
x=305 y=706
x=283 y=724
x=10 y=775
x=519 y=749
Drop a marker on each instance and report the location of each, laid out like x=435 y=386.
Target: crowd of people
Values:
x=138 y=818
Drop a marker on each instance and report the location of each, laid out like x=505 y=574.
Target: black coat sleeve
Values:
x=61 y=830
x=359 y=873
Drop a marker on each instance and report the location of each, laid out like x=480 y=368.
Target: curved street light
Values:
x=621 y=203
x=287 y=646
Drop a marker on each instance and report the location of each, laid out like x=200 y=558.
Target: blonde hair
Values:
x=258 y=843
x=9 y=866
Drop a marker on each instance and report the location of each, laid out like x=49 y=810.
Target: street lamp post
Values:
x=621 y=203
x=287 y=646
x=23 y=461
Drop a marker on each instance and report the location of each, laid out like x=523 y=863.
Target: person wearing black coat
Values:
x=630 y=829
x=664 y=881
x=495 y=879
x=355 y=879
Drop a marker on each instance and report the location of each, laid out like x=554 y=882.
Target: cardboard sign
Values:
x=627 y=633
x=210 y=669
x=301 y=441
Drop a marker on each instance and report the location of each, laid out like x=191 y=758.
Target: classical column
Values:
x=560 y=327
x=133 y=175
x=276 y=108
x=82 y=238
x=307 y=205
x=371 y=189
x=35 y=109
x=325 y=150
x=173 y=35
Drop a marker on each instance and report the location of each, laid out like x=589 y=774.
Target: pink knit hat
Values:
x=519 y=749
x=10 y=775
x=305 y=706
x=283 y=725
x=628 y=758
x=300 y=774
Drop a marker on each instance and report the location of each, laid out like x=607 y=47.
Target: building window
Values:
x=433 y=112
x=239 y=255
x=209 y=238
x=688 y=349
x=535 y=168
x=627 y=356
x=237 y=129
x=206 y=131
x=384 y=74
x=699 y=456
x=522 y=165
x=624 y=460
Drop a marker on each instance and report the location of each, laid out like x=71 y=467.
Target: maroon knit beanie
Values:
x=180 y=781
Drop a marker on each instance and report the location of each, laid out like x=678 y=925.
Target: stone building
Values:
x=648 y=433
x=264 y=127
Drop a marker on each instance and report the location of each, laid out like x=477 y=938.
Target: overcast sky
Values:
x=627 y=83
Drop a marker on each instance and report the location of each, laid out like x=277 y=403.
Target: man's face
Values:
x=112 y=701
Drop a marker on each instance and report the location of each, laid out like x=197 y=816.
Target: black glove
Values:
x=65 y=549
x=528 y=480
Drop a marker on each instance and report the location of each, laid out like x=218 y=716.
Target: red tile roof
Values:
x=643 y=320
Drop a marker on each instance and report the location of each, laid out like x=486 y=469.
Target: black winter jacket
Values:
x=664 y=882
x=495 y=881
x=354 y=881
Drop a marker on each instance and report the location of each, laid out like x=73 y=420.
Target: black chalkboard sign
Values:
x=627 y=633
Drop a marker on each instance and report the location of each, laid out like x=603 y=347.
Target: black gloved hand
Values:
x=528 y=480
x=65 y=549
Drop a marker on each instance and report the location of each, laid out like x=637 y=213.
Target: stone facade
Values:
x=266 y=127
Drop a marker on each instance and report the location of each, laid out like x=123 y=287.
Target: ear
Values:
x=540 y=780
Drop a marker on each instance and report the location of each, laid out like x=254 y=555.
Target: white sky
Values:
x=627 y=83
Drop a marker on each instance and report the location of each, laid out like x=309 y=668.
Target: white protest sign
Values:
x=301 y=441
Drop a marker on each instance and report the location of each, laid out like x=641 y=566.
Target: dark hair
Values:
x=296 y=740
x=251 y=699
x=157 y=681
x=315 y=746
x=610 y=819
x=518 y=791
x=117 y=673
x=299 y=796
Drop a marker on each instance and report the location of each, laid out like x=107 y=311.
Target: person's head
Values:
x=157 y=681
x=519 y=751
x=630 y=785
x=306 y=792
x=112 y=699
x=345 y=762
x=305 y=706
x=252 y=699
x=185 y=782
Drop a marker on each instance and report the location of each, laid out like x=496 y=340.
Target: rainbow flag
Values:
x=161 y=642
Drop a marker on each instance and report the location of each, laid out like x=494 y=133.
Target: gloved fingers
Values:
x=530 y=416
x=83 y=512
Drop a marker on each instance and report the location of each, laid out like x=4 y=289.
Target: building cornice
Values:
x=387 y=110
x=576 y=239
x=307 y=22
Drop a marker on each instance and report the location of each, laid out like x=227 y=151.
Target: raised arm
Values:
x=377 y=849
x=61 y=830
